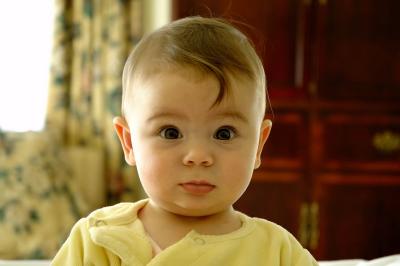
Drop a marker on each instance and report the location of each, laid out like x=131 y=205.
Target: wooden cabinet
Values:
x=356 y=181
x=331 y=168
x=357 y=50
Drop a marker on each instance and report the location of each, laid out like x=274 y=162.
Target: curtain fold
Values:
x=92 y=40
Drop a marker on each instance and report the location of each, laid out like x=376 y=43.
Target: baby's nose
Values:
x=198 y=155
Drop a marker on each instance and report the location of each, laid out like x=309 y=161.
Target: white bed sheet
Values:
x=25 y=262
x=393 y=260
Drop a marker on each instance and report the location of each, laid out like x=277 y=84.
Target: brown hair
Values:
x=209 y=45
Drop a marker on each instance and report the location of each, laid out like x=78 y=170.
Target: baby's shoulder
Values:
x=269 y=226
x=280 y=241
x=271 y=231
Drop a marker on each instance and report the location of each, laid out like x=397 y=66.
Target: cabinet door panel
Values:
x=358 y=219
x=358 y=55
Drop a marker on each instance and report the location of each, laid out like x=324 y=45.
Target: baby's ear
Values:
x=124 y=135
x=264 y=134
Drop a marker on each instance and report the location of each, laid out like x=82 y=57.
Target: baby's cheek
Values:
x=239 y=171
x=154 y=170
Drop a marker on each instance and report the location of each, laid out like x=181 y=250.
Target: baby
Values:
x=193 y=124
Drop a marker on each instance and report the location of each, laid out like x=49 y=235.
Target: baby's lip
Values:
x=198 y=182
x=197 y=187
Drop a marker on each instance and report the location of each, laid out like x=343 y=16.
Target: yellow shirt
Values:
x=115 y=236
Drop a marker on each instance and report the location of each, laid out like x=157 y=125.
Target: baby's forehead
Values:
x=158 y=68
x=180 y=100
x=191 y=73
x=232 y=84
x=238 y=87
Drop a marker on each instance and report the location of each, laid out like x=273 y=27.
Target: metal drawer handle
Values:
x=386 y=141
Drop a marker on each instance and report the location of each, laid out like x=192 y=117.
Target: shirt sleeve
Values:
x=306 y=259
x=79 y=249
x=300 y=255
x=71 y=252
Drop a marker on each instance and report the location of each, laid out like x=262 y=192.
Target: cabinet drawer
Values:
x=370 y=142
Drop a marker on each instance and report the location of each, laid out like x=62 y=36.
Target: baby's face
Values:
x=193 y=158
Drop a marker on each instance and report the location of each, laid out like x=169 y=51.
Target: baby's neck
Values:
x=156 y=220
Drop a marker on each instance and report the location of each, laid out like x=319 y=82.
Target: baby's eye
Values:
x=170 y=133
x=225 y=133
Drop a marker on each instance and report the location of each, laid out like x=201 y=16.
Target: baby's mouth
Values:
x=197 y=187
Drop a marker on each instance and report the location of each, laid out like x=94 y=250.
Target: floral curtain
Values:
x=92 y=41
x=38 y=204
x=49 y=179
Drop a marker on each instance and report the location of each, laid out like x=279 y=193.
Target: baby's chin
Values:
x=193 y=213
x=193 y=208
x=198 y=212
